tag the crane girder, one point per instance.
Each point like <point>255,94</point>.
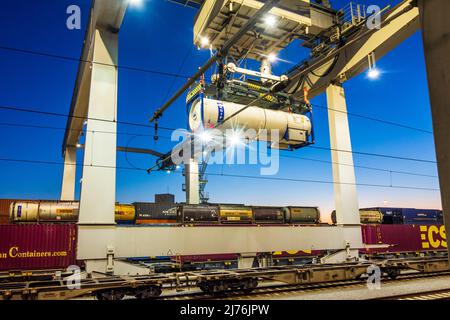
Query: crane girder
<point>352,60</point>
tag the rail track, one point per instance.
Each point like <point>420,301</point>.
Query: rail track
<point>443,294</point>
<point>277,290</point>
<point>220,282</point>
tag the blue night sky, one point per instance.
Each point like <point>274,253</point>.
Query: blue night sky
<point>158,36</point>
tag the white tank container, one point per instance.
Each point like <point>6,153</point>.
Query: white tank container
<point>58,211</point>
<point>43,211</point>
<point>24,211</point>
<point>293,128</point>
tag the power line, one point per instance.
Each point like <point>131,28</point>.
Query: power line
<point>67,58</point>
<point>49,113</point>
<point>178,75</point>
<point>11,108</point>
<point>226,175</point>
<point>8,124</point>
<point>361,167</point>
<point>169,138</point>
<point>375,119</point>
<point>373,154</point>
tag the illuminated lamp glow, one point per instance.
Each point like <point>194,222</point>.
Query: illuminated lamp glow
<point>270,20</point>
<point>373,74</point>
<point>136,3</point>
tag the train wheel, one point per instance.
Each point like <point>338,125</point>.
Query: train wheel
<point>110,295</point>
<point>149,292</point>
<point>249,285</point>
<point>213,287</point>
<point>392,273</point>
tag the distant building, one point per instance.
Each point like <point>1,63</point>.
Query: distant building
<point>165,198</point>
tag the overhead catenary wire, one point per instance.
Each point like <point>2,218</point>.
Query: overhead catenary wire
<point>73,59</point>
<point>225,175</point>
<point>281,155</point>
<point>51,113</point>
<point>361,167</point>
<point>392,123</point>
<point>12,108</point>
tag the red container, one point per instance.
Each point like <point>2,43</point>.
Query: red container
<point>4,210</point>
<point>37,246</point>
<point>402,238</point>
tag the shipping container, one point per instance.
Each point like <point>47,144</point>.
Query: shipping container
<point>155,221</point>
<point>268,215</point>
<point>422,216</point>
<point>404,238</point>
<point>390,215</point>
<point>195,213</point>
<point>301,214</point>
<point>37,246</point>
<point>150,211</point>
<point>4,210</point>
<point>366,216</point>
<point>124,213</point>
<point>235,214</point>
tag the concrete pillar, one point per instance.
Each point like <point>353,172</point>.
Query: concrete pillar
<point>69,174</point>
<point>346,199</point>
<point>434,17</point>
<point>98,186</point>
<point>192,182</point>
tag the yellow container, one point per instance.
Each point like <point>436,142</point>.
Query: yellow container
<point>125,212</point>
<point>235,214</point>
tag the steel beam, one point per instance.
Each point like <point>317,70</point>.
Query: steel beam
<point>352,59</point>
<point>144,241</point>
<point>434,17</point>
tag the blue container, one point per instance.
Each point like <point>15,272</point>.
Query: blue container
<point>422,216</point>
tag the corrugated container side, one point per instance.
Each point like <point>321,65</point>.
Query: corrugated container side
<point>4,210</point>
<point>404,237</point>
<point>37,246</point>
<point>148,210</point>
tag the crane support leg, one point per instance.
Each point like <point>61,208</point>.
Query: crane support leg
<point>69,174</point>
<point>99,174</point>
<point>192,182</point>
<point>346,199</point>
<point>436,39</point>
